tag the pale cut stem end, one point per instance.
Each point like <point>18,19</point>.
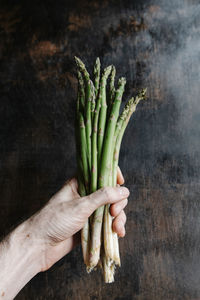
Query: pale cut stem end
<point>108,270</point>
<point>95,244</point>
<point>116,255</point>
<point>111,246</point>
<point>85,242</point>
<point>108,239</point>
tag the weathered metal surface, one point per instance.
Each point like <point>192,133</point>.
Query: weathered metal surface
<point>155,44</point>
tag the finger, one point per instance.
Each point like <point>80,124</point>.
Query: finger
<point>68,191</point>
<point>105,195</point>
<point>71,184</point>
<point>116,208</point>
<point>120,177</point>
<point>118,224</point>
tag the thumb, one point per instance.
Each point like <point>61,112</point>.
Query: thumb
<point>107,195</point>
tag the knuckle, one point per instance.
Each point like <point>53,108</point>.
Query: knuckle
<point>89,201</point>
<point>108,192</point>
<point>87,204</point>
<point>84,201</point>
<point>73,184</point>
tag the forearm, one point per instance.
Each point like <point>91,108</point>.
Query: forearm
<point>18,261</point>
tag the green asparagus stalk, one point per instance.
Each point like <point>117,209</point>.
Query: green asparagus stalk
<point>88,99</point>
<point>85,232</point>
<point>94,171</point>
<point>110,130</point>
<point>97,68</point>
<point>112,84</point>
<point>111,245</point>
<point>99,132</point>
<point>104,174</point>
<point>111,90</point>
<point>121,126</point>
<point>103,110</point>
<point>93,103</point>
<point>83,147</point>
<point>81,92</point>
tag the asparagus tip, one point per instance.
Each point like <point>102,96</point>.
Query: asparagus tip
<point>142,94</point>
<point>113,70</point>
<point>122,81</point>
<point>98,61</point>
<point>79,62</point>
<point>97,66</point>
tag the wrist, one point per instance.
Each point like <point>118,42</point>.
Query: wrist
<point>19,260</point>
<point>29,248</point>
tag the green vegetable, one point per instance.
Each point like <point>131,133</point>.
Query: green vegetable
<point>99,132</point>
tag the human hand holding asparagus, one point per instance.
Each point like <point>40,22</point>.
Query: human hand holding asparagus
<point>39,242</point>
<point>55,228</point>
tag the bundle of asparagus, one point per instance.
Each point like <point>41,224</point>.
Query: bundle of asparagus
<point>99,132</point>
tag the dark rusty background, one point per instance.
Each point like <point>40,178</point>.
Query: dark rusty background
<point>155,44</point>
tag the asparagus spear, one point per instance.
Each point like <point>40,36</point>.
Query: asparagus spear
<point>93,103</point>
<point>81,93</point>
<point>85,232</point>
<point>111,90</point>
<point>103,110</point>
<point>83,147</point>
<point>94,171</point>
<point>110,238</point>
<point>112,84</point>
<point>111,247</point>
<point>121,126</point>
<point>88,99</point>
<point>97,68</point>
<point>104,174</point>
<point>108,141</point>
<point>104,165</point>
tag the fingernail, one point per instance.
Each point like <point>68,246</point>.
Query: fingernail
<point>123,191</point>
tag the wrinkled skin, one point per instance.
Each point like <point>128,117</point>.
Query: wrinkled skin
<point>56,227</point>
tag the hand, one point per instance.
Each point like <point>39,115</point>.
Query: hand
<point>55,226</point>
<point>36,244</point>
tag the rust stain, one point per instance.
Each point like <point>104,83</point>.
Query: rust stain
<point>135,25</point>
<point>98,4</point>
<point>41,54</point>
<point>52,73</point>
<point>126,27</point>
<point>72,79</point>
<point>42,49</point>
<point>46,74</point>
<point>77,22</point>
<point>154,9</point>
<point>9,19</point>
